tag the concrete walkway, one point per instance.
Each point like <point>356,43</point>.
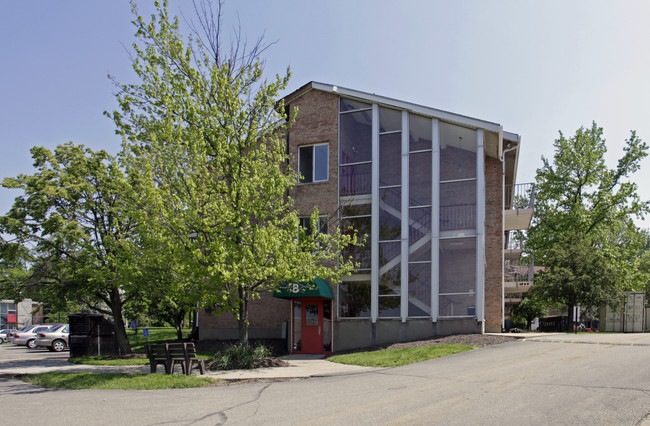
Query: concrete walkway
<point>300,366</point>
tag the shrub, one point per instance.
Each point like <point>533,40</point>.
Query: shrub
<point>239,356</point>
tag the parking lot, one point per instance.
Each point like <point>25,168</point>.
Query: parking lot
<point>9,351</point>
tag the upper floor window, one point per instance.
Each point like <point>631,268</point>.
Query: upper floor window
<point>305,223</point>
<point>313,163</point>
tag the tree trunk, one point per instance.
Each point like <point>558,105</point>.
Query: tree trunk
<point>243,317</point>
<point>179,329</point>
<point>570,318</point>
<point>194,333</point>
<point>120,331</point>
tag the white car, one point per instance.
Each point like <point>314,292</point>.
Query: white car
<point>4,334</point>
<point>54,338</point>
<point>28,338</point>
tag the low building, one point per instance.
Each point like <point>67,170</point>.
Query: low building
<point>434,192</point>
<point>18,315</point>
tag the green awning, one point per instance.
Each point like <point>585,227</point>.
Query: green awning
<point>315,288</point>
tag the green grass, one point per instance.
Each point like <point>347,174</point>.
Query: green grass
<point>398,357</point>
<point>156,335</point>
<point>117,381</point>
<point>96,360</point>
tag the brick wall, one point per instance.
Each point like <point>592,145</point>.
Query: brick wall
<point>316,122</point>
<point>267,312</point>
<point>493,244</point>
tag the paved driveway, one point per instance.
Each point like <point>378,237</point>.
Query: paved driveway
<point>597,382</point>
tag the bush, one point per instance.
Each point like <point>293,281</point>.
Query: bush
<point>239,356</point>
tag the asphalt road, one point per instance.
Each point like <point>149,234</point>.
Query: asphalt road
<point>518,383</point>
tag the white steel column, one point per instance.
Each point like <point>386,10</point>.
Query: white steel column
<point>374,222</point>
<point>404,293</point>
<point>480,226</point>
<point>435,219</point>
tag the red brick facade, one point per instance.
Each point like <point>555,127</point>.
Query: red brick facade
<point>317,123</point>
<point>493,245</point>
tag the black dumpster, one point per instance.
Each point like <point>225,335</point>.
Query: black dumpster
<point>91,335</point>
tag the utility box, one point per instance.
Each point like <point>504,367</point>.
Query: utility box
<point>629,319</point>
<point>91,335</point>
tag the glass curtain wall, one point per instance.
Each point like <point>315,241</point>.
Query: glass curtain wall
<point>390,214</point>
<point>458,183</point>
<point>355,159</point>
<point>457,198</point>
<point>419,256</point>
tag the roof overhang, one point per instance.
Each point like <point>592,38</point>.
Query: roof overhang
<point>495,136</point>
<point>315,288</point>
<point>509,152</point>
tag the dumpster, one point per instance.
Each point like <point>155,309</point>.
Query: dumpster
<point>91,335</point>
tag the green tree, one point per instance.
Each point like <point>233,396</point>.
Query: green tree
<point>204,128</point>
<point>532,306</point>
<point>76,222</point>
<point>583,232</point>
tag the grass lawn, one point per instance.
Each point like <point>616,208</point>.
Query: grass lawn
<point>137,341</point>
<point>97,360</point>
<point>156,335</point>
<point>117,381</point>
<point>398,357</point>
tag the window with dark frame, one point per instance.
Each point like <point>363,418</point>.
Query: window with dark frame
<point>322,224</point>
<point>313,163</point>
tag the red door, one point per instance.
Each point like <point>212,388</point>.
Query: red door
<point>312,326</point>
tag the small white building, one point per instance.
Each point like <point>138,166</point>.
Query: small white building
<point>17,315</point>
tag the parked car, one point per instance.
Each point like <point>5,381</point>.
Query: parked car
<point>54,338</point>
<point>28,338</point>
<point>4,334</point>
<point>10,337</point>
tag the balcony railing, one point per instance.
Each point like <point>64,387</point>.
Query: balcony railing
<point>514,241</point>
<point>520,196</point>
<point>514,272</point>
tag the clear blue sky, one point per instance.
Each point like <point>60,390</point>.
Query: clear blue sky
<point>534,67</point>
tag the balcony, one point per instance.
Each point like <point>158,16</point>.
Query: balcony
<point>519,202</point>
<point>513,245</point>
<point>517,278</point>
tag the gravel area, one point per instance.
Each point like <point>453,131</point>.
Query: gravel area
<point>456,339</point>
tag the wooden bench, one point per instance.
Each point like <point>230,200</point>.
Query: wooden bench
<point>170,354</point>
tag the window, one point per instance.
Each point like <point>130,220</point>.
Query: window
<point>7,314</point>
<point>313,163</point>
<point>322,224</point>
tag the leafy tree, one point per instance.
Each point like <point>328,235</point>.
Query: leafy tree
<point>583,232</point>
<point>76,222</point>
<point>532,306</point>
<point>205,130</point>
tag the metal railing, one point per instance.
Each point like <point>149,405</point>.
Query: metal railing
<point>520,196</point>
<point>514,241</point>
<point>514,272</point>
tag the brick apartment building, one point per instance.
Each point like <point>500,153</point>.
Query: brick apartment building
<point>435,194</point>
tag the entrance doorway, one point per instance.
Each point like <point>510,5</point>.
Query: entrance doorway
<point>312,325</point>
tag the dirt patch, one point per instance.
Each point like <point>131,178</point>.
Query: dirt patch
<point>127,356</point>
<point>479,340</point>
<point>458,339</point>
<point>270,362</point>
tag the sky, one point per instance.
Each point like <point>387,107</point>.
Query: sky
<point>537,68</point>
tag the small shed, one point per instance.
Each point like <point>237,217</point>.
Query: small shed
<point>91,335</point>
